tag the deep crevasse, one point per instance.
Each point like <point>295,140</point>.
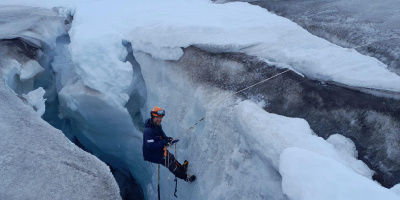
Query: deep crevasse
<point>236,142</point>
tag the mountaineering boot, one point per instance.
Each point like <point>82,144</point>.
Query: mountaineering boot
<point>185,166</point>
<point>190,178</point>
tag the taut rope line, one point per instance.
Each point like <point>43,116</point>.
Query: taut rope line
<point>202,118</point>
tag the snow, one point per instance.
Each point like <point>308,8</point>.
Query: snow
<point>30,69</point>
<point>348,152</point>
<point>250,30</point>
<point>9,72</point>
<point>370,27</point>
<point>35,99</point>
<point>15,73</point>
<point>34,25</point>
<point>239,151</point>
<point>296,132</point>
<point>396,189</point>
<point>309,175</point>
<point>158,28</point>
<point>238,144</point>
<point>39,162</point>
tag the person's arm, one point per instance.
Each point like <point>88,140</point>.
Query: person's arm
<point>169,139</point>
<point>163,134</point>
<point>152,142</point>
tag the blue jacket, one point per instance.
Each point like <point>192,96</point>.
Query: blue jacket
<point>154,139</point>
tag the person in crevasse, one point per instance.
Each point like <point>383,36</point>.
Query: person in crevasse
<point>154,146</point>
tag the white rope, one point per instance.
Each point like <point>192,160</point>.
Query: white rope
<point>191,127</point>
<point>262,81</point>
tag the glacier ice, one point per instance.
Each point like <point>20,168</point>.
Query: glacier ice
<point>238,139</point>
<point>37,161</point>
<point>36,26</point>
<point>35,99</point>
<point>370,27</point>
<point>101,91</point>
<point>298,166</point>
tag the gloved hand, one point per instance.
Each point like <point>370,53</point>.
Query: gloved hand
<point>174,141</point>
<point>169,139</point>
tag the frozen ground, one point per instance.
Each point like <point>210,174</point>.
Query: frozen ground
<point>236,152</point>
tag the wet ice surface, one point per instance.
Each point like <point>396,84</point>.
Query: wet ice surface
<point>371,27</point>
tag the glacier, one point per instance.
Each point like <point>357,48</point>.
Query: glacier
<point>109,62</point>
<point>369,27</point>
<point>37,160</point>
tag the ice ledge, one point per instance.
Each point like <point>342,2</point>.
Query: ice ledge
<point>39,162</point>
<point>36,26</point>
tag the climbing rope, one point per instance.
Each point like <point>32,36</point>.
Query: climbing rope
<point>223,99</point>
<point>261,82</point>
<point>191,127</point>
<point>202,118</point>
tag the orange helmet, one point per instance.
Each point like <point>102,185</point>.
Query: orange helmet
<point>157,112</point>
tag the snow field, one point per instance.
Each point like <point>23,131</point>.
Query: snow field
<point>308,175</point>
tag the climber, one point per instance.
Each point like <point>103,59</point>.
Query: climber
<point>155,144</point>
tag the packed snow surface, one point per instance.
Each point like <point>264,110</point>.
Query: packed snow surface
<point>308,175</point>
<point>38,162</point>
<point>236,151</point>
<point>35,99</point>
<point>34,25</point>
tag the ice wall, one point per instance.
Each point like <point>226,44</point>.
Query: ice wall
<point>38,161</point>
<point>371,122</point>
<point>236,150</point>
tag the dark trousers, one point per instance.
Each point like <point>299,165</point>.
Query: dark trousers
<point>174,166</point>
